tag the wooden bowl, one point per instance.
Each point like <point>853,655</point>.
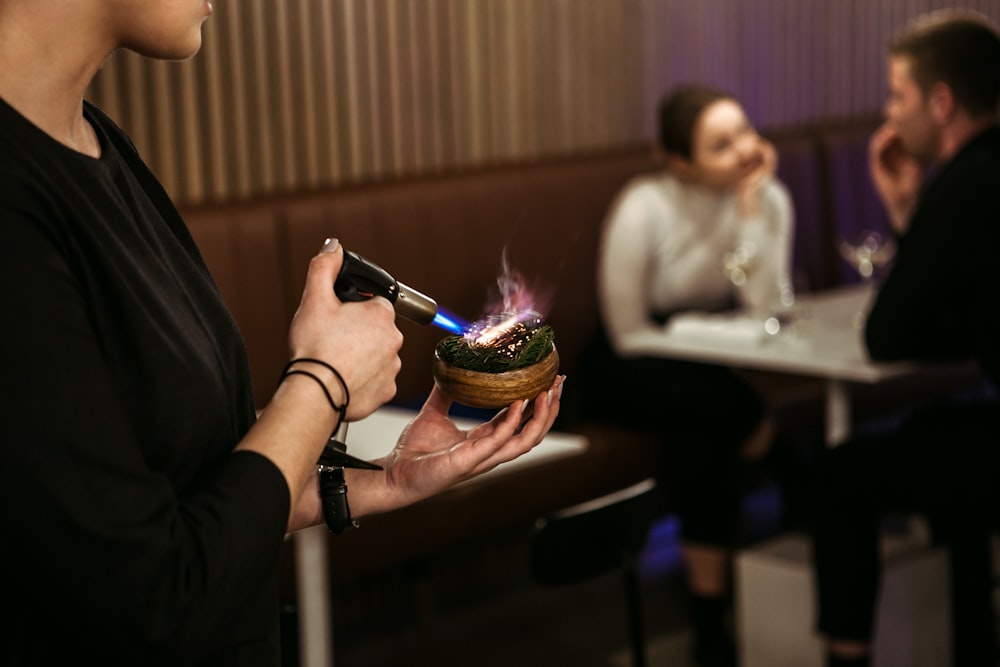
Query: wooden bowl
<point>479,389</point>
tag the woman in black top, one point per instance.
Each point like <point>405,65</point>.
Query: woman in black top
<point>143,505</point>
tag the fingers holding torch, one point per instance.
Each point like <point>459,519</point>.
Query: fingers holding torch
<point>359,338</point>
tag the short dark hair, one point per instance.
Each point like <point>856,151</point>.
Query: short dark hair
<point>679,112</point>
<point>959,48</point>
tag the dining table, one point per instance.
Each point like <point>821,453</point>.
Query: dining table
<point>820,336</point>
<point>370,439</point>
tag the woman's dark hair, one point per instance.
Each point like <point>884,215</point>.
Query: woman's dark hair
<point>679,112</point>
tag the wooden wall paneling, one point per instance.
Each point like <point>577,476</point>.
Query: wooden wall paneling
<point>312,94</point>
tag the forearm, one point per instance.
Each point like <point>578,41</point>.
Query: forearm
<point>367,493</point>
<point>292,431</point>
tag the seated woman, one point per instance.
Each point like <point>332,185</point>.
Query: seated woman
<point>663,252</point>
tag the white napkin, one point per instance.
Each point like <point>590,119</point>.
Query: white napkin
<point>714,328</point>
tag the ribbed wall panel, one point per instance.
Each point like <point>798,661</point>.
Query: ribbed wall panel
<point>293,94</point>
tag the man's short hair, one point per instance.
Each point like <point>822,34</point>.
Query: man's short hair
<point>959,48</point>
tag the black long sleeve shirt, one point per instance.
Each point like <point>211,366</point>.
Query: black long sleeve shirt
<point>132,533</point>
<point>941,300</point>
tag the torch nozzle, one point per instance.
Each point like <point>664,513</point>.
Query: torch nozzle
<point>414,305</point>
<point>360,279</point>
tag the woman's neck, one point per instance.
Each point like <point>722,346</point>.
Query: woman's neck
<point>44,77</point>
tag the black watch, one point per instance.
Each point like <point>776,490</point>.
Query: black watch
<point>333,493</point>
<point>333,488</point>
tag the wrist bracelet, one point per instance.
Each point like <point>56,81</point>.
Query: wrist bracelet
<point>341,410</point>
<point>333,493</point>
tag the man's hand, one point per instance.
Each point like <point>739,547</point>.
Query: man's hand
<point>896,174</point>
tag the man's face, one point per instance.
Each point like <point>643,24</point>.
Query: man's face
<point>907,112</point>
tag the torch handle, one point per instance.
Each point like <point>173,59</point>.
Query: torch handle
<point>360,279</point>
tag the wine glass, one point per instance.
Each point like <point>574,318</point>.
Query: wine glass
<point>739,262</point>
<point>868,253</point>
<point>759,301</point>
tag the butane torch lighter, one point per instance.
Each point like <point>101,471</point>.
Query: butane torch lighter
<point>360,279</point>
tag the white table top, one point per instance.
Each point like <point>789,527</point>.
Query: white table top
<point>376,435</point>
<point>824,339</point>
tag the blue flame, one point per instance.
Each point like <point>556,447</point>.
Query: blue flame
<point>450,323</point>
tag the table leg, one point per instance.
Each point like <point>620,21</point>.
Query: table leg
<point>838,412</point>
<point>313,592</point>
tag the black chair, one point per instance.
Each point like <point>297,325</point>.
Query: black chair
<point>593,538</point>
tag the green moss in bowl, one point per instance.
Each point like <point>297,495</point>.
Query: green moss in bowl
<point>520,363</point>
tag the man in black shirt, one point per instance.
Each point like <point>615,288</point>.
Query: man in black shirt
<point>936,165</point>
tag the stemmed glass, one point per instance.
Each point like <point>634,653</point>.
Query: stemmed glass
<point>868,253</point>
<point>773,309</point>
<point>739,262</point>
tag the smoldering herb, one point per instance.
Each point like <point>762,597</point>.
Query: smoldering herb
<point>519,346</point>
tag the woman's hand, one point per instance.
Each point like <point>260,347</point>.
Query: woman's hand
<point>362,342</point>
<point>896,174</point>
<point>433,454</point>
<point>359,339</point>
<point>764,164</point>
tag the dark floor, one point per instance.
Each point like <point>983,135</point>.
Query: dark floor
<point>528,624</point>
<point>437,619</point>
<point>480,607</point>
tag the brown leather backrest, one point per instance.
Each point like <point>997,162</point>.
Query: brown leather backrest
<point>445,236</point>
<point>854,204</point>
<point>825,167</point>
